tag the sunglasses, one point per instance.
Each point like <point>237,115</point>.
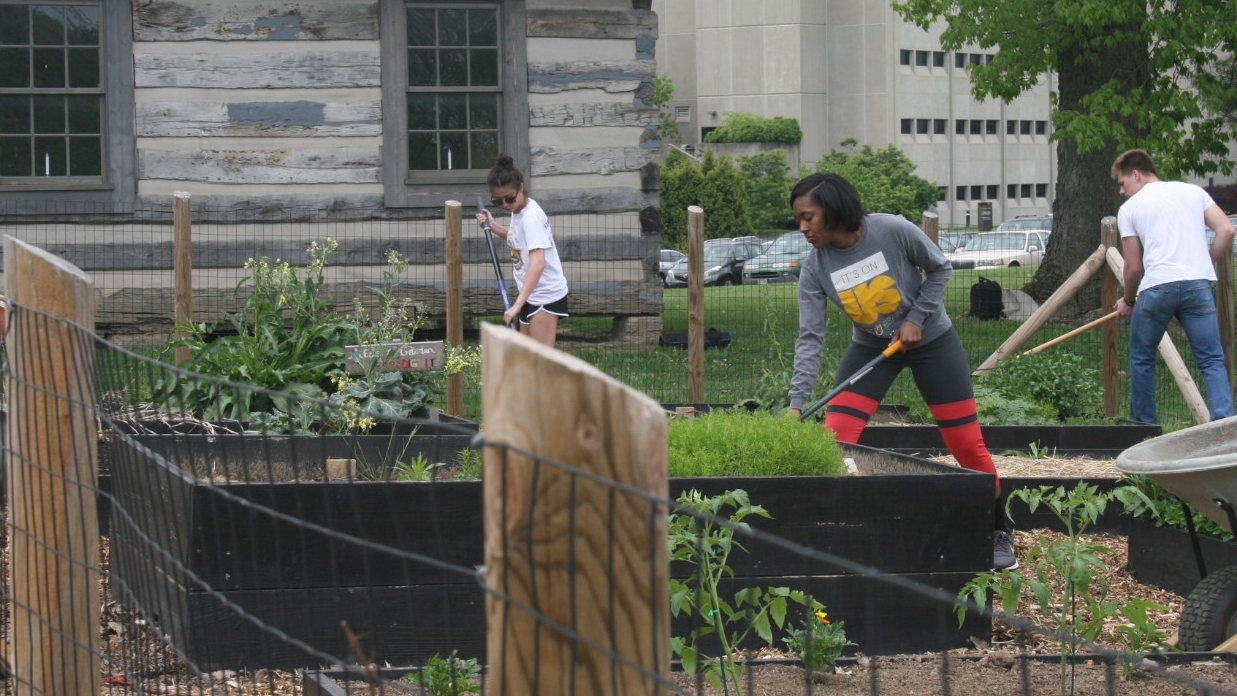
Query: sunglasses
<point>505,200</point>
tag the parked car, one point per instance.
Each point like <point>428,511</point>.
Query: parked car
<point>723,262</point>
<point>1026,222</point>
<point>988,249</point>
<point>666,261</point>
<point>781,261</point>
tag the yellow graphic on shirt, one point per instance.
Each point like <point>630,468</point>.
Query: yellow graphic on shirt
<point>865,303</point>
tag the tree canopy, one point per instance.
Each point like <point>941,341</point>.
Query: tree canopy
<point>885,179</point>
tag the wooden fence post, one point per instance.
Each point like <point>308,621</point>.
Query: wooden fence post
<point>695,304</point>
<point>54,535</point>
<point>588,556</point>
<point>931,226</point>
<point>1110,368</point>
<point>453,221</point>
<point>1224,308</point>
<point>182,269</point>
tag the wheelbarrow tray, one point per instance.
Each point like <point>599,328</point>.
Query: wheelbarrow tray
<point>1198,465</point>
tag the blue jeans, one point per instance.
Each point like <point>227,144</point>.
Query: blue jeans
<point>1194,306</point>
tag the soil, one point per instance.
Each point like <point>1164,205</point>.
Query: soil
<point>979,670</point>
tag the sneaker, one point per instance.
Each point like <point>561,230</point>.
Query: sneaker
<point>1003,557</point>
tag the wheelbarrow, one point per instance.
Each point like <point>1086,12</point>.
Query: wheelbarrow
<point>1198,465</point>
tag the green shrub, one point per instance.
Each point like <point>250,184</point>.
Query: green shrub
<point>681,185</point>
<point>1060,380</point>
<point>749,128</point>
<point>884,178</point>
<point>723,198</point>
<point>995,408</point>
<point>767,181</point>
<point>738,443</point>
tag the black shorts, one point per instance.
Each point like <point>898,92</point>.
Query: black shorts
<point>557,308</point>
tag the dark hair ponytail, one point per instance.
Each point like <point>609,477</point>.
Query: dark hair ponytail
<point>504,173</point>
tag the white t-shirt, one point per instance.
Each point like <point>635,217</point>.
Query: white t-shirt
<point>530,229</point>
<point>1167,216</point>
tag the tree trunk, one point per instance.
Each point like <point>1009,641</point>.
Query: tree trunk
<point>1086,192</point>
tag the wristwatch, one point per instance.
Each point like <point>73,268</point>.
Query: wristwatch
<point>1129,303</point>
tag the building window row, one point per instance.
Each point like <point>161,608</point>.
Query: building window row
<point>936,59</point>
<point>990,192</point>
<point>974,126</point>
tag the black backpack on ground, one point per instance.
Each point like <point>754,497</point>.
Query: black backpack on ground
<point>986,300</point>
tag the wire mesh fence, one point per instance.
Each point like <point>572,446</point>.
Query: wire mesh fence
<point>154,551</point>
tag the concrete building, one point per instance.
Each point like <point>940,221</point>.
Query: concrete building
<point>854,69</point>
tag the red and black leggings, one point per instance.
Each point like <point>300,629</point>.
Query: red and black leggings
<point>943,377</point>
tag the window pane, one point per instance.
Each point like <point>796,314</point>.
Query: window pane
<point>422,68</point>
<point>483,67</point>
<point>484,149</point>
<point>482,28</point>
<point>422,112</point>
<point>16,72</point>
<point>993,189</point>
<point>14,26</point>
<point>14,114</point>
<point>421,31</point>
<point>83,67</point>
<point>960,194</point>
<point>422,151</point>
<point>906,126</point>
<point>904,57</point>
<point>453,65</point>
<point>49,157</point>
<point>977,193</point>
<point>453,111</point>
<point>84,114</point>
<point>49,116</point>
<point>1011,191</point>
<point>483,111</point>
<point>452,27</point>
<point>83,25</point>
<point>454,150</point>
<point>85,156</point>
<point>15,157</point>
<point>48,67</point>
<point>48,26</point>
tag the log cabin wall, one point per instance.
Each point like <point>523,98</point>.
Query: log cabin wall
<point>271,118</point>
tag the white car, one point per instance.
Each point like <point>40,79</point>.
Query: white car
<point>1001,249</point>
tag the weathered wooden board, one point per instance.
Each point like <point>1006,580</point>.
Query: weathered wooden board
<point>284,165</point>
<point>549,77</point>
<point>566,22</point>
<point>549,161</point>
<point>585,114</point>
<point>273,70</point>
<point>224,20</point>
<point>259,119</point>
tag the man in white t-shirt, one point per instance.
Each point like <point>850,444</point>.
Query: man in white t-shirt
<point>1169,271</point>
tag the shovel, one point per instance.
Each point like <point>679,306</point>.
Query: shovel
<point>885,354</point>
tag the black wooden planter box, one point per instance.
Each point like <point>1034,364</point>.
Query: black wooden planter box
<point>227,564</point>
<point>1164,556</point>
<point>1089,440</point>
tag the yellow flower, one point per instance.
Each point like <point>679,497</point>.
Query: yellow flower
<point>824,617</point>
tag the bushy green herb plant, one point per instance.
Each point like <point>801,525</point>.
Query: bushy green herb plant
<point>994,407</point>
<point>469,463</point>
<point>1145,499</point>
<point>818,641</point>
<point>738,443</point>
<point>1060,380</point>
<point>418,468</point>
<point>1082,613</point>
<point>702,535</point>
<point>448,676</point>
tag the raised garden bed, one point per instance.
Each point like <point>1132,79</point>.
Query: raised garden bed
<point>1164,556</point>
<point>224,556</point>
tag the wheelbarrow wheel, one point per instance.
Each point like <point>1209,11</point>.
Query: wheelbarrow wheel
<point>1210,614</point>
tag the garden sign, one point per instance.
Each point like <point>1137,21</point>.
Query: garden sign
<point>395,357</point>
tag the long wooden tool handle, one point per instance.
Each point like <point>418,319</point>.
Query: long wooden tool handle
<point>1067,336</point>
<point>885,355</point>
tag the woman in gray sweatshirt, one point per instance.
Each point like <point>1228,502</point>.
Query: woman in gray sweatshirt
<point>889,279</point>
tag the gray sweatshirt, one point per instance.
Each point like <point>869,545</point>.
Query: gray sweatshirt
<point>892,274</point>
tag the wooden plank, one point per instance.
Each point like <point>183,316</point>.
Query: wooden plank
<point>584,23</point>
<point>182,272</point>
<point>52,460</point>
<point>1110,367</point>
<point>259,119</point>
<point>316,165</point>
<point>586,114</point>
<point>551,77</point>
<point>551,536</point>
<point>695,303</point>
<point>275,70</point>
<point>225,20</point>
<point>549,161</point>
<point>454,230</point>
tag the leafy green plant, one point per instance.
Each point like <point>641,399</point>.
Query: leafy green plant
<point>1061,380</point>
<point>419,468</point>
<point>738,127</point>
<point>734,442</point>
<point>767,182</point>
<point>287,338</point>
<point>469,463</point>
<point>884,178</point>
<point>818,641</point>
<point>703,538</point>
<point>1145,499</point>
<point>1082,613</point>
<point>448,676</point>
<point>994,407</point>
<point>667,125</point>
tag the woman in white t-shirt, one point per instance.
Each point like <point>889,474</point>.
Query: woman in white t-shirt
<point>538,270</point>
